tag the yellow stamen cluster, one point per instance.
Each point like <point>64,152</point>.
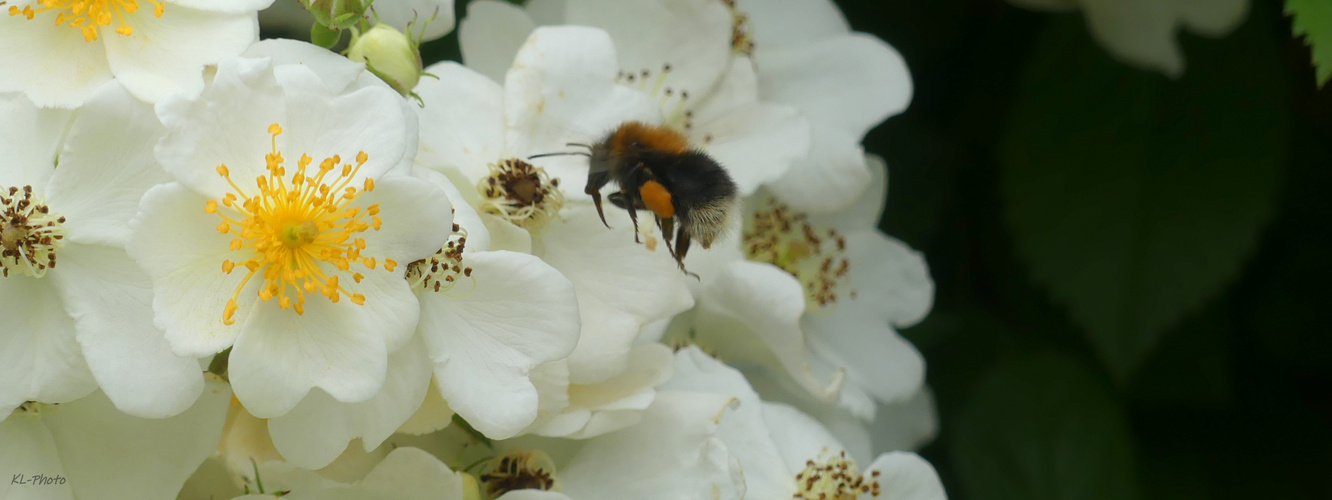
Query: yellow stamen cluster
<point>441,271</point>
<point>521,193</point>
<point>742,41</point>
<point>298,233</point>
<point>786,239</point>
<point>30,233</point>
<point>529,470</point>
<point>834,478</point>
<point>89,15</point>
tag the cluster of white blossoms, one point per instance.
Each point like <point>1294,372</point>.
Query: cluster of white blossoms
<point>242,268</point>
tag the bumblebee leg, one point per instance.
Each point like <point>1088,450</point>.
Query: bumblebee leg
<point>667,227</point>
<point>624,200</point>
<point>596,200</point>
<point>593,188</point>
<point>618,199</point>
<point>633,216</point>
<point>682,247</point>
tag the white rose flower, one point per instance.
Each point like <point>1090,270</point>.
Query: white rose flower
<point>1142,33</point>
<point>488,319</point>
<point>289,228</point>
<point>822,302</point>
<point>79,310</point>
<point>683,53</point>
<point>561,89</point>
<point>845,83</point>
<point>63,451</point>
<point>62,50</point>
<point>787,454</point>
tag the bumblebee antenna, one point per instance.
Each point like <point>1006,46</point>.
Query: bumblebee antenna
<point>569,153</point>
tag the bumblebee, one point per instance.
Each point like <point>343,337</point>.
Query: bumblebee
<point>687,191</point>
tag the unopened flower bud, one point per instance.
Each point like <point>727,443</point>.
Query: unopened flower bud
<point>389,54</point>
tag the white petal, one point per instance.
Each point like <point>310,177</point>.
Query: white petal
<point>1137,32</point>
<point>281,355</point>
<point>167,55</point>
<point>864,212</point>
<point>906,476</point>
<point>617,403</point>
<point>621,287</point>
<point>317,122</point>
<point>201,136</point>
<point>504,235</point>
<point>434,414</point>
<point>464,215</point>
<point>692,36</point>
<point>417,220</point>
<point>889,277</point>
<point>778,23</point>
<point>522,313</point>
<point>752,300</point>
<point>337,72</point>
<point>245,442</point>
<point>211,480</point>
<point>686,461</point>
<point>845,426</point>
<point>30,450</point>
<point>562,89</point>
<point>848,83</point>
<point>757,143</point>
<point>874,356</point>
<point>397,13</point>
<point>153,456</point>
<point>52,65</point>
<point>178,245</point>
<point>39,358</point>
<point>110,299</point>
<point>490,36</point>
<point>831,177</point>
<point>743,430</point>
<point>798,436</point>
<point>552,384</point>
<point>314,433</point>
<point>547,12</point>
<point>462,123</point>
<point>231,6</point>
<point>106,167</point>
<point>907,425</point>
<point>30,138</point>
<point>1211,17</point>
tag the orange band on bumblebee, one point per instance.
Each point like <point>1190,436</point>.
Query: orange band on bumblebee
<point>657,199</point>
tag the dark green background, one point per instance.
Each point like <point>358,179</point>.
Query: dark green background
<point>1132,271</point>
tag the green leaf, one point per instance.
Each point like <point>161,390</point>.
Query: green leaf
<point>1042,427</point>
<point>1133,198</point>
<point>1313,21</point>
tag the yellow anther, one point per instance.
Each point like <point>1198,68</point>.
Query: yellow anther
<point>292,230</point>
